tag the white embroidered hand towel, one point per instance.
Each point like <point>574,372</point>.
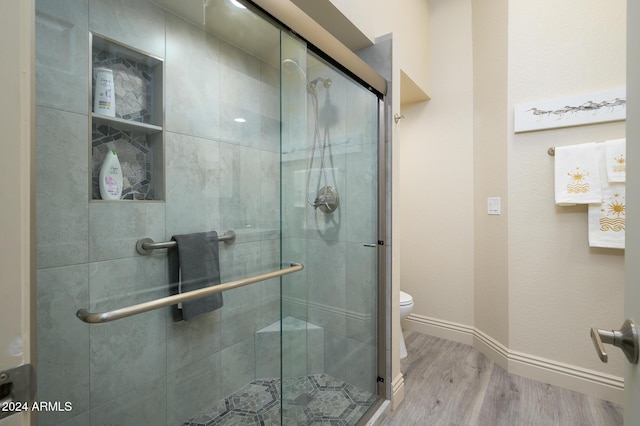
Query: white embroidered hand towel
<point>616,160</point>
<point>607,219</point>
<point>577,175</point>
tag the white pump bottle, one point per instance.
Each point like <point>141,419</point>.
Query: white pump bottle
<point>111,177</point>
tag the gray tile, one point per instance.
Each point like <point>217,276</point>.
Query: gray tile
<point>240,98</point>
<point>295,287</point>
<point>62,188</point>
<point>193,180</point>
<point>192,80</point>
<point>82,419</point>
<point>237,365</point>
<point>240,186</point>
<point>241,260</point>
<point>315,354</point>
<point>240,89</point>
<point>335,351</point>
<point>122,282</point>
<point>270,107</point>
<point>144,405</point>
<point>130,351</point>
<point>193,388</point>
<point>360,194</point>
<point>295,346</point>
<point>116,227</point>
<point>267,346</point>
<point>294,201</point>
<point>361,365</point>
<point>240,315</point>
<point>63,340</point>
<point>191,341</point>
<point>361,293</point>
<point>62,54</point>
<point>136,23</point>
<point>236,59</point>
<point>327,286</point>
<point>125,354</point>
<point>362,116</point>
<point>270,306</point>
<point>269,190</point>
<point>301,344</point>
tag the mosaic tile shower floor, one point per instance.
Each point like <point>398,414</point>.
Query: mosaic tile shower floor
<point>310,400</point>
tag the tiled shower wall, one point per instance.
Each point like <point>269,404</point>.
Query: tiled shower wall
<point>219,175</point>
<point>337,289</point>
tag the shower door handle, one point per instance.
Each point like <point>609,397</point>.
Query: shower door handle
<point>626,339</point>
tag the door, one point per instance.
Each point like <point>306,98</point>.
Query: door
<point>632,251</point>
<point>329,222</point>
<point>16,120</point>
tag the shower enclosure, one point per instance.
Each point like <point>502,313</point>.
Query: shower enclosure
<point>225,121</point>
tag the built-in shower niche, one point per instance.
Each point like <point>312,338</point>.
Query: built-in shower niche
<point>136,132</point>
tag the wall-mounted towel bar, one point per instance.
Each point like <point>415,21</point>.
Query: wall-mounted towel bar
<point>100,317</point>
<point>147,245</point>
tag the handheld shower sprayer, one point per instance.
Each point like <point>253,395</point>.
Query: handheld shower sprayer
<point>327,199</point>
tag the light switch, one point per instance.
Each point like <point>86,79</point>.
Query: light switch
<point>493,205</point>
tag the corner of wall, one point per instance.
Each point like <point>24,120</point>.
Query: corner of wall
<point>593,383</point>
<point>397,396</point>
<point>490,93</point>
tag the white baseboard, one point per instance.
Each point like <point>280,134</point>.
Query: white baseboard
<point>397,389</point>
<point>444,329</point>
<point>494,350</point>
<point>593,383</point>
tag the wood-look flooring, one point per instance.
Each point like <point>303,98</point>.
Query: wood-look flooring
<point>449,383</point>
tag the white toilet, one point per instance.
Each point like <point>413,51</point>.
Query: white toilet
<point>406,306</point>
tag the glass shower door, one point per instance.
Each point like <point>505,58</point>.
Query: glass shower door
<point>329,222</point>
<point>196,129</point>
<point>223,122</point>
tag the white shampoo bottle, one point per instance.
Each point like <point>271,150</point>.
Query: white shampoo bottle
<point>111,177</point>
<point>104,97</point>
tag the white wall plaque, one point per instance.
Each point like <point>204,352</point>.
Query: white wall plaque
<point>591,108</point>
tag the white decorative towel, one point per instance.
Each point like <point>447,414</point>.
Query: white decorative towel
<point>616,156</point>
<point>577,175</point>
<point>607,219</point>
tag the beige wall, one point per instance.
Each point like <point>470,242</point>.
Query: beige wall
<point>558,286</point>
<point>536,286</point>
<point>436,175</point>
<point>17,123</point>
<point>490,167</point>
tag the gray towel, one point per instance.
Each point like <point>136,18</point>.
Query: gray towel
<point>194,264</point>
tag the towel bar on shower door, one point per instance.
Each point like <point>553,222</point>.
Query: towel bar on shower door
<point>100,317</point>
<point>147,245</point>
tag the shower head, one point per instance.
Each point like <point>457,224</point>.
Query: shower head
<point>326,82</point>
<point>291,65</point>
